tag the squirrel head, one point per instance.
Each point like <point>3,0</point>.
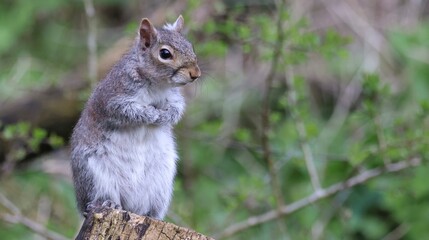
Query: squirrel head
<point>165,55</point>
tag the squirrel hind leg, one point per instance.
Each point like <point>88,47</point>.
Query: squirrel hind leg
<point>157,213</point>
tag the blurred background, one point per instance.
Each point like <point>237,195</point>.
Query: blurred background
<point>310,120</point>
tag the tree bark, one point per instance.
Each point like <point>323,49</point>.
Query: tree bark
<point>108,223</point>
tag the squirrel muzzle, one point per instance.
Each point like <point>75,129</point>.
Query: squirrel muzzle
<point>194,72</point>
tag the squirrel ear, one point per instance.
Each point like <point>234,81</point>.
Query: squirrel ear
<point>178,24</point>
<point>147,33</point>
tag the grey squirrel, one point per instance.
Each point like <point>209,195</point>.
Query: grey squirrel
<point>122,148</point>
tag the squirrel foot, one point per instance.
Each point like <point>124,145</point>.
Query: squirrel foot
<point>91,206</point>
<point>111,204</point>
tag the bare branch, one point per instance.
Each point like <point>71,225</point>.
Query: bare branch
<point>91,41</point>
<point>397,233</point>
<point>319,226</point>
<point>17,218</point>
<point>342,107</point>
<point>265,123</point>
<point>318,195</point>
<point>343,11</point>
<point>359,25</point>
<point>9,205</point>
<point>381,141</point>
<point>302,133</point>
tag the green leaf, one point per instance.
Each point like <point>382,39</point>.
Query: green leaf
<point>243,135</point>
<point>55,141</point>
<point>8,132</point>
<point>34,144</point>
<point>312,129</point>
<point>419,182</point>
<point>23,129</point>
<point>275,117</point>
<point>357,154</point>
<point>243,31</point>
<point>39,134</point>
<point>19,154</point>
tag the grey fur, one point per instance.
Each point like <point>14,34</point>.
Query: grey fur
<point>122,148</point>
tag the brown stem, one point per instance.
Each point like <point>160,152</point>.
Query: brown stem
<point>265,123</point>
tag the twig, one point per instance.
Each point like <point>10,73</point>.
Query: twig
<point>20,68</point>
<point>302,133</point>
<point>381,141</point>
<point>91,41</point>
<point>345,101</point>
<point>397,233</point>
<point>267,156</point>
<point>357,23</point>
<point>316,196</point>
<point>17,217</point>
<point>9,205</point>
<point>343,11</point>
<point>318,228</point>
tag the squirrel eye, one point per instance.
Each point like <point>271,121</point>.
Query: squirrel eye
<point>165,54</point>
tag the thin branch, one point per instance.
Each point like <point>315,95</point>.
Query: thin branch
<point>302,133</point>
<point>381,141</point>
<point>265,123</point>
<point>9,205</point>
<point>342,107</point>
<point>319,195</point>
<point>397,233</point>
<point>319,227</point>
<point>358,24</point>
<point>91,41</point>
<point>17,218</point>
<point>17,73</point>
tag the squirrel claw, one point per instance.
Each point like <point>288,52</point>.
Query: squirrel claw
<point>111,204</point>
<point>90,207</point>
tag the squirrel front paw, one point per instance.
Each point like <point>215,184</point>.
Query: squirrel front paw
<point>151,114</point>
<point>163,118</point>
<point>168,115</point>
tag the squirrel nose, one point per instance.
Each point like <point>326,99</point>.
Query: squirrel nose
<point>192,77</point>
<point>195,73</point>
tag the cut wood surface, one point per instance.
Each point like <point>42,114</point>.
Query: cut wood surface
<point>108,223</point>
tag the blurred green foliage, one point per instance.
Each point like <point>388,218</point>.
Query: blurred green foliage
<point>222,176</point>
<point>411,48</point>
<point>25,140</point>
<point>47,199</point>
<point>38,43</point>
<point>380,130</point>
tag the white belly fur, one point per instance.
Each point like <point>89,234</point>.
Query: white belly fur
<point>136,168</point>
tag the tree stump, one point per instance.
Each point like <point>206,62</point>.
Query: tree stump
<point>108,223</point>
